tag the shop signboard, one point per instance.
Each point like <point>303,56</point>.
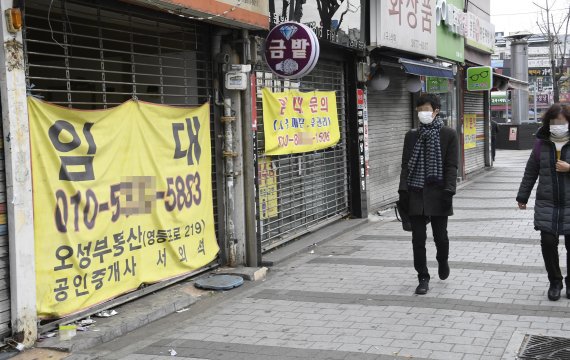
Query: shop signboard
<point>253,14</point>
<point>479,78</point>
<point>451,24</point>
<point>480,33</point>
<point>436,85</point>
<point>404,25</point>
<point>291,50</point>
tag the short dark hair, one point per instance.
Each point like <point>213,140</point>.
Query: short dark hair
<point>431,99</point>
<point>553,112</point>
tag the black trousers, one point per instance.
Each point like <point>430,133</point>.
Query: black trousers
<point>493,146</point>
<point>549,243</point>
<point>419,237</point>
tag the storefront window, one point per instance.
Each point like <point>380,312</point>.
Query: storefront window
<point>445,89</point>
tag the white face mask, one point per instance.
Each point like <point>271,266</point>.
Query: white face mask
<point>559,130</point>
<point>425,117</point>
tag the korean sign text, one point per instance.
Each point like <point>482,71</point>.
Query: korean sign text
<point>122,197</point>
<point>297,122</point>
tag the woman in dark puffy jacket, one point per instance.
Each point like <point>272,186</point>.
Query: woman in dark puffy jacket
<point>549,163</point>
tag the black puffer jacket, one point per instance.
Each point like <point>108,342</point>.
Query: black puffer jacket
<point>429,202</point>
<point>552,205</point>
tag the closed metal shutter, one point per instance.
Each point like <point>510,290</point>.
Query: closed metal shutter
<point>389,118</point>
<point>5,315</point>
<point>95,55</point>
<point>312,188</point>
<point>475,158</point>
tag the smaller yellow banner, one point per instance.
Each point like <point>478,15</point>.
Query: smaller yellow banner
<point>267,188</point>
<point>297,122</point>
<point>470,131</point>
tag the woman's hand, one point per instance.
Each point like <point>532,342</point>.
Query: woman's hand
<point>562,166</point>
<point>522,206</point>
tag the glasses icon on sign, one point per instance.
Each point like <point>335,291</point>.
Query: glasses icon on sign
<point>482,75</point>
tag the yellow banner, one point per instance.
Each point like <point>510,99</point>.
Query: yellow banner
<point>297,122</point>
<point>122,197</point>
<point>470,131</point>
<point>268,206</point>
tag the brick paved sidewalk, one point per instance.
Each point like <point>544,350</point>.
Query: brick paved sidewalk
<point>353,298</point>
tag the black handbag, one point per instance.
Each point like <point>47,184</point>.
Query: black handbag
<point>403,217</point>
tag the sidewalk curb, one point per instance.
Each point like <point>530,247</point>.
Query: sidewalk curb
<point>131,316</point>
<point>318,237</point>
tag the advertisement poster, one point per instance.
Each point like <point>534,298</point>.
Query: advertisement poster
<point>268,206</point>
<point>297,122</point>
<point>122,197</point>
<point>470,131</point>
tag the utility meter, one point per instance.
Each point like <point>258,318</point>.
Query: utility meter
<point>236,80</point>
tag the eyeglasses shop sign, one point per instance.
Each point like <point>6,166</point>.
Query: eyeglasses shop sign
<point>291,50</point>
<point>404,25</point>
<point>479,78</point>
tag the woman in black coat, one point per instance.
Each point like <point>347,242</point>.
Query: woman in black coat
<point>548,163</point>
<point>427,185</point>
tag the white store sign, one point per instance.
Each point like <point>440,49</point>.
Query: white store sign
<point>480,33</point>
<point>454,18</point>
<point>404,25</point>
<point>539,63</point>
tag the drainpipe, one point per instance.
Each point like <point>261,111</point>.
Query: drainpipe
<point>253,255</point>
<point>221,58</point>
<point>229,155</point>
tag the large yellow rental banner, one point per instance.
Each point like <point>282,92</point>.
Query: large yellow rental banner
<point>122,197</point>
<point>297,122</point>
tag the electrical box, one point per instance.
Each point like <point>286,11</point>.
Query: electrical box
<point>236,80</point>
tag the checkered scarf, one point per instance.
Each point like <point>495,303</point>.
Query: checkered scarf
<point>426,165</point>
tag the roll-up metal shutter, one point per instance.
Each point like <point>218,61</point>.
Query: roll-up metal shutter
<point>5,314</point>
<point>312,188</point>
<point>99,54</point>
<point>389,118</point>
<point>475,158</point>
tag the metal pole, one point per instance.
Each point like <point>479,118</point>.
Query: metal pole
<point>535,103</point>
<point>253,256</point>
<point>19,201</point>
<point>227,119</point>
<point>507,106</point>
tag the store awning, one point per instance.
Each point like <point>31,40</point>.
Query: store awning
<point>425,69</point>
<point>502,82</point>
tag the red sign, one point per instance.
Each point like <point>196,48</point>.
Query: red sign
<point>253,103</point>
<point>360,96</point>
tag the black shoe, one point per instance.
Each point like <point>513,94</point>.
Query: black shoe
<point>423,287</point>
<point>443,270</point>
<point>554,291</point>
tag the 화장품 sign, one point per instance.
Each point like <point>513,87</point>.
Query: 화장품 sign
<point>291,50</point>
<point>122,197</point>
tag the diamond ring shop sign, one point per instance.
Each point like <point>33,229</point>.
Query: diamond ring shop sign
<point>291,50</point>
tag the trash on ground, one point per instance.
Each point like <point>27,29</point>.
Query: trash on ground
<point>66,332</point>
<point>172,352</point>
<point>86,322</point>
<point>106,313</point>
<point>182,310</point>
